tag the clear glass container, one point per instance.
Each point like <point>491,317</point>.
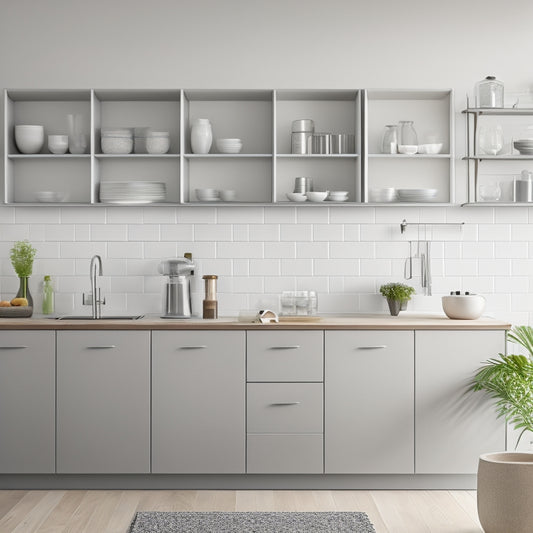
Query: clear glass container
<point>407,134</point>
<point>489,92</point>
<point>389,141</point>
<point>48,296</point>
<point>490,139</point>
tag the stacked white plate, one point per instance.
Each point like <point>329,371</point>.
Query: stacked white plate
<point>229,146</point>
<point>524,146</point>
<point>416,195</point>
<point>132,192</point>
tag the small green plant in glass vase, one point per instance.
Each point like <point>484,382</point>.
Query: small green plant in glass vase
<point>397,295</point>
<point>22,255</point>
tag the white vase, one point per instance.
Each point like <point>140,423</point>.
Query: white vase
<point>201,136</point>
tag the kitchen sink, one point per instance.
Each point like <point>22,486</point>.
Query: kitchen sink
<point>86,317</point>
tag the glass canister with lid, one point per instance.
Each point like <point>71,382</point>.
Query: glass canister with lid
<point>489,92</point>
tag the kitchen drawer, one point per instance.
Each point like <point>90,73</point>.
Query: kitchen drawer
<point>285,454</point>
<point>285,356</point>
<point>284,408</point>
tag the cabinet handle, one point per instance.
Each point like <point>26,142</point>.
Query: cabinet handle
<point>294,347</point>
<point>280,404</point>
<point>198,347</point>
<point>105,347</point>
<point>21,347</point>
<point>376,347</point>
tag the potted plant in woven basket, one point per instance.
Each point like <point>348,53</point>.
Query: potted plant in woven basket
<point>505,479</point>
<point>397,295</point>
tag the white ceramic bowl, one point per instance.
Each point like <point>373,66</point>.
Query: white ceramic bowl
<point>463,307</point>
<point>430,148</point>
<point>387,194</point>
<point>51,196</point>
<point>296,197</point>
<point>228,195</point>
<point>229,146</point>
<point>29,139</point>
<point>58,144</point>
<point>408,149</point>
<point>317,196</point>
<point>207,195</point>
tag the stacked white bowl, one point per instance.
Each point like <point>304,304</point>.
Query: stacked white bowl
<point>387,194</point>
<point>207,195</point>
<point>338,196</point>
<point>29,138</point>
<point>229,146</point>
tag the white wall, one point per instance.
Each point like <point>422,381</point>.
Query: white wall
<point>344,253</point>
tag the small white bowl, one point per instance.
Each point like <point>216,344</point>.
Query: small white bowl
<point>58,144</point>
<point>430,148</point>
<point>29,138</point>
<point>408,149</point>
<point>228,195</point>
<point>207,195</point>
<point>317,196</point>
<point>463,307</point>
<point>296,197</point>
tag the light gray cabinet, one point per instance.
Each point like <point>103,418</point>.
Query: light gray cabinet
<point>103,402</point>
<point>454,427</point>
<point>198,402</point>
<point>369,398</point>
<point>27,402</point>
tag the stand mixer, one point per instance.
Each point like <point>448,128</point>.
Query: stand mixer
<point>177,293</point>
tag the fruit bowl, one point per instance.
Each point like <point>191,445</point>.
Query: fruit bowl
<point>16,311</point>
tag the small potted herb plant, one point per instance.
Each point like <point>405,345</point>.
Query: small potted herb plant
<point>397,295</point>
<point>22,255</point>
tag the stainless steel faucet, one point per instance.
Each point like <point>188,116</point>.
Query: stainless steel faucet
<point>95,271</point>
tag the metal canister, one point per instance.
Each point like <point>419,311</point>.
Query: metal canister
<point>302,129</point>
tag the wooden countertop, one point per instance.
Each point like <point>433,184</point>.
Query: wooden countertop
<point>404,321</point>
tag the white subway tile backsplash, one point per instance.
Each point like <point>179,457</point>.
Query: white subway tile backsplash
<point>159,215</point>
<point>109,232</point>
<point>279,284</point>
<point>243,215</point>
<point>494,267</point>
<point>143,232</point>
<point>297,267</point>
<point>511,215</point>
<point>522,267</point>
<point>265,267</point>
<point>328,232</point>
<point>280,215</point>
<point>238,267</point>
<point>83,215</point>
<point>477,250</point>
<point>521,232</point>
<point>78,250</point>
<point>7,215</point>
<point>127,284</point>
<point>512,284</point>
<point>196,215</point>
<point>296,232</point>
<point>280,249</point>
<point>319,284</point>
<point>350,215</point>
<point>247,284</point>
<point>494,232</point>
<point>127,250</point>
<point>312,250</point>
<point>516,250</point>
<point>14,232</point>
<point>352,250</point>
<point>352,232</point>
<point>149,250</point>
<point>213,232</point>
<point>376,267</point>
<point>461,267</point>
<point>392,250</point>
<point>124,215</point>
<point>176,232</point>
<point>241,233</point>
<point>264,232</point>
<point>336,267</point>
<point>240,249</point>
<point>59,232</point>
<point>379,232</point>
<point>317,215</point>
<point>37,215</point>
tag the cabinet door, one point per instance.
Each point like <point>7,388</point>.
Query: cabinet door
<point>198,397</point>
<point>369,397</point>
<point>454,427</point>
<point>103,402</point>
<point>27,402</point>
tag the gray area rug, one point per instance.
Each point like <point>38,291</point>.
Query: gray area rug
<point>225,522</point>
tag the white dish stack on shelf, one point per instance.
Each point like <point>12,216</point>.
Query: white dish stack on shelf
<point>229,146</point>
<point>132,192</point>
<point>207,195</point>
<point>416,195</point>
<point>387,194</point>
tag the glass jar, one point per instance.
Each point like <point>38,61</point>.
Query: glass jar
<point>389,141</point>
<point>48,296</point>
<point>407,134</point>
<point>489,92</point>
<point>490,139</point>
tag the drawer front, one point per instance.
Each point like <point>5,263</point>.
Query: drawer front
<point>285,454</point>
<point>285,408</point>
<point>285,356</point>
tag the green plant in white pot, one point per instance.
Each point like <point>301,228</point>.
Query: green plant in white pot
<point>505,479</point>
<point>397,295</point>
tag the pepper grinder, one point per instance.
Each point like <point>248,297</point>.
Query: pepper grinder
<point>210,302</point>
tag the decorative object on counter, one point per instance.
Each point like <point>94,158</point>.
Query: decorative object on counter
<point>117,140</point>
<point>58,144</point>
<point>299,303</point>
<point>337,196</point>
<point>22,255</point>
<point>229,146</point>
<point>407,134</point>
<point>490,192</point>
<point>201,136</point>
<point>303,185</point>
<point>317,196</point>
<point>389,140</point>
<point>48,296</point>
<point>397,295</point>
<point>523,187</point>
<point>177,294</point>
<point>490,139</point>
<point>29,138</point>
<point>158,142</point>
<point>210,303</point>
<point>302,130</point>
<point>265,316</point>
<point>132,192</point>
<point>489,92</point>
<point>505,479</point>
<point>463,306</point>
<point>77,140</point>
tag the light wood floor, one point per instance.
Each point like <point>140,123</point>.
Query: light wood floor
<point>79,511</point>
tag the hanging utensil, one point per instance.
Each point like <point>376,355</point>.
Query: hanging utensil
<point>408,266</point>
